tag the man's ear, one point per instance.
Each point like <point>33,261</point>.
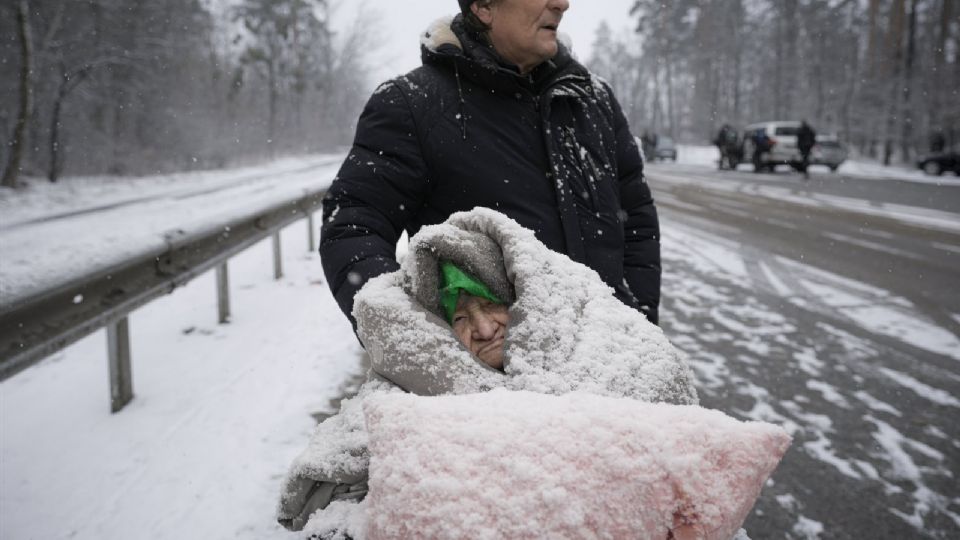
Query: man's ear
<point>483,11</point>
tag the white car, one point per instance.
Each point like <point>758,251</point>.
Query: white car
<point>828,151</point>
<point>782,145</point>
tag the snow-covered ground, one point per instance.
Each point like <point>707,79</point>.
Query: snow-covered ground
<point>50,231</point>
<point>855,167</point>
<point>220,412</point>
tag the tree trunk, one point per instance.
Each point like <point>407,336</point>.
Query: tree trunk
<point>854,75</point>
<point>69,80</point>
<point>893,73</point>
<point>906,114</point>
<point>671,111</point>
<point>655,103</point>
<point>791,57</point>
<point>778,70</point>
<point>873,47</point>
<point>938,90</point>
<point>99,114</point>
<point>872,97</point>
<point>12,170</point>
<point>272,120</point>
<point>737,67</point>
<point>53,173</point>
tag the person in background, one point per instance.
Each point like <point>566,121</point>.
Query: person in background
<point>761,144</point>
<point>937,142</point>
<point>500,115</point>
<point>649,142</point>
<point>727,143</point>
<point>806,139</point>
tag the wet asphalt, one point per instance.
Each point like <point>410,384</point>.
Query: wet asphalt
<point>818,336</point>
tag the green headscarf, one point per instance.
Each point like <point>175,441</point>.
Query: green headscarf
<point>455,280</point>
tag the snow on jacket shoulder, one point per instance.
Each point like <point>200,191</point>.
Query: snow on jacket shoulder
<point>551,150</point>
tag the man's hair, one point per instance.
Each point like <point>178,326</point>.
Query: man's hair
<point>471,21</point>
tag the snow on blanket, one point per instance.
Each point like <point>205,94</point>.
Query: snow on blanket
<point>508,464</point>
<point>568,333</point>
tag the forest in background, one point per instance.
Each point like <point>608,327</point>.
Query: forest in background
<point>148,86</point>
<point>882,74</point>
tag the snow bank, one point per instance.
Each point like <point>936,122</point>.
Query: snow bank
<point>52,233</point>
<point>521,465</point>
<point>219,412</point>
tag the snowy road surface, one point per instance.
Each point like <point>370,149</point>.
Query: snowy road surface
<point>789,312</point>
<point>836,317</point>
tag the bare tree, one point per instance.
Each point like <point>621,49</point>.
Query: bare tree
<point>906,105</point>
<point>144,86</point>
<point>285,36</point>
<point>12,169</point>
<point>853,67</point>
<point>70,79</point>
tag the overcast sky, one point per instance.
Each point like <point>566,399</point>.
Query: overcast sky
<point>402,22</point>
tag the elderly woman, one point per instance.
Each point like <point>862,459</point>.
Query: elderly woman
<point>479,319</point>
<point>500,115</point>
<point>523,318</point>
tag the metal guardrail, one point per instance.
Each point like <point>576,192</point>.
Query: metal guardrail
<point>36,327</point>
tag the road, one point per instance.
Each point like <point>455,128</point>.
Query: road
<point>832,307</point>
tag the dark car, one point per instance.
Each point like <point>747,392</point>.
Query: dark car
<point>938,164</point>
<point>666,149</point>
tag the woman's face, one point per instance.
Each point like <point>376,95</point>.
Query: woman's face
<point>523,32</point>
<point>481,325</point>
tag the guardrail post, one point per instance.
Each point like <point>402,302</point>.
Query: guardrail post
<point>121,376</point>
<point>311,241</point>
<point>223,293</point>
<point>277,264</point>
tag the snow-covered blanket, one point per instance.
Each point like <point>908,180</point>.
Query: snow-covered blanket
<point>567,333</point>
<point>524,465</point>
<point>567,330</point>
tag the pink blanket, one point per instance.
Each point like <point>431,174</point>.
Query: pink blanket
<point>523,465</point>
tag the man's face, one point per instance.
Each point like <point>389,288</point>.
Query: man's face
<point>523,32</point>
<point>481,325</point>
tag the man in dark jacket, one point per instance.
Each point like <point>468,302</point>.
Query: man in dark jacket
<point>501,116</point>
<point>728,144</point>
<point>806,139</point>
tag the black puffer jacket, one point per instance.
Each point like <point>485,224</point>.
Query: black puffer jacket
<point>552,150</point>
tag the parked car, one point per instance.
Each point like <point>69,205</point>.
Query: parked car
<point>937,164</point>
<point>666,149</point>
<point>781,137</point>
<point>828,151</point>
